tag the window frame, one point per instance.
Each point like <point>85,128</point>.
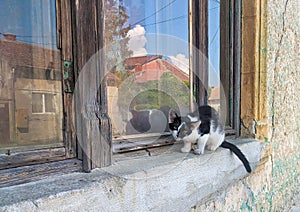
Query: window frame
<point>230,63</point>
<point>76,41</point>
<point>13,157</point>
<point>44,103</point>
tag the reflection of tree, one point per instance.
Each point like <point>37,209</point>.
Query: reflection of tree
<point>168,91</point>
<point>116,39</point>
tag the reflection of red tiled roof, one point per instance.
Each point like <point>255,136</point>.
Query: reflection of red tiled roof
<point>154,68</point>
<point>22,54</point>
<point>176,71</point>
<point>134,61</point>
<point>215,93</point>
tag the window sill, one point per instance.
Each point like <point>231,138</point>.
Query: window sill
<point>143,183</point>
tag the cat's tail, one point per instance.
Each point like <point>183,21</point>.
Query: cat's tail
<point>238,153</point>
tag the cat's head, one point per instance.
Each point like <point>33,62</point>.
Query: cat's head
<point>188,131</point>
<point>181,126</point>
<point>174,122</point>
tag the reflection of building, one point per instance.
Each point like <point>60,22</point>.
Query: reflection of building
<point>214,98</point>
<point>147,68</point>
<point>142,69</point>
<point>30,93</point>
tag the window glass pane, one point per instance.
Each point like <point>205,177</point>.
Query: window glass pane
<point>49,103</point>
<point>37,103</point>
<point>147,63</point>
<point>214,53</point>
<point>30,75</point>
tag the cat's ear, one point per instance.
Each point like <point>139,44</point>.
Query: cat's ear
<point>195,125</point>
<point>172,115</point>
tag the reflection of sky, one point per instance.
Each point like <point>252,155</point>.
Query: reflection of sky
<point>214,41</point>
<point>170,17</point>
<point>32,21</point>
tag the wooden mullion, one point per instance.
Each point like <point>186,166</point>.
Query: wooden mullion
<point>225,61</point>
<point>83,35</point>
<point>93,125</point>
<point>236,65</point>
<point>104,153</point>
<point>65,31</point>
<point>230,63</point>
<point>76,65</point>
<point>199,45</point>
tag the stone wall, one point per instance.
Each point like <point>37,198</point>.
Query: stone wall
<point>274,108</point>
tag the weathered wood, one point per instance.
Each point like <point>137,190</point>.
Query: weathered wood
<point>237,29</point>
<point>16,176</point>
<point>144,142</point>
<point>199,50</point>
<point>64,31</point>
<point>230,63</point>
<point>31,157</point>
<point>148,152</point>
<point>124,145</point>
<point>225,51</point>
<point>92,122</point>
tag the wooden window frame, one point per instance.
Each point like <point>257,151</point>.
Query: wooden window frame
<point>98,149</point>
<point>230,59</point>
<point>80,36</point>
<point>230,63</point>
<point>24,156</point>
<point>21,165</point>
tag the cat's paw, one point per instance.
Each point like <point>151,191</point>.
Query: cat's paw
<point>211,148</point>
<point>198,151</point>
<point>185,150</point>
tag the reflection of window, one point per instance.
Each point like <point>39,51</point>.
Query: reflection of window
<point>43,103</point>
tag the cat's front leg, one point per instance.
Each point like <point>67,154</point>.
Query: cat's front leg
<point>187,146</point>
<point>201,142</point>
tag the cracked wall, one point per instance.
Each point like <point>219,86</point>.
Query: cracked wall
<point>270,107</point>
<point>283,70</point>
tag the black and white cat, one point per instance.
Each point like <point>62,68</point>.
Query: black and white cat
<point>204,128</point>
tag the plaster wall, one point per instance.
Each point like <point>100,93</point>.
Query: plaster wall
<point>270,108</point>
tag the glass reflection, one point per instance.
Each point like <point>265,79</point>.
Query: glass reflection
<point>147,63</point>
<point>30,76</point>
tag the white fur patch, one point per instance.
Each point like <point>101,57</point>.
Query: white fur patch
<point>193,137</point>
<point>193,119</point>
<point>174,133</point>
<point>215,138</point>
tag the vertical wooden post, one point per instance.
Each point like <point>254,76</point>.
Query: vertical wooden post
<point>104,153</point>
<point>92,121</point>
<point>199,50</point>
<point>225,64</point>
<point>65,43</point>
<point>237,42</point>
<point>230,62</point>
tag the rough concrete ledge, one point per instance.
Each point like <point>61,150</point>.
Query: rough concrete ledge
<point>167,182</point>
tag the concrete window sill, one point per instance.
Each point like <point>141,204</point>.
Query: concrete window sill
<point>169,181</point>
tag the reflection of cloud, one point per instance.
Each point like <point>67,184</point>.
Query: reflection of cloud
<point>181,62</point>
<point>137,41</point>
